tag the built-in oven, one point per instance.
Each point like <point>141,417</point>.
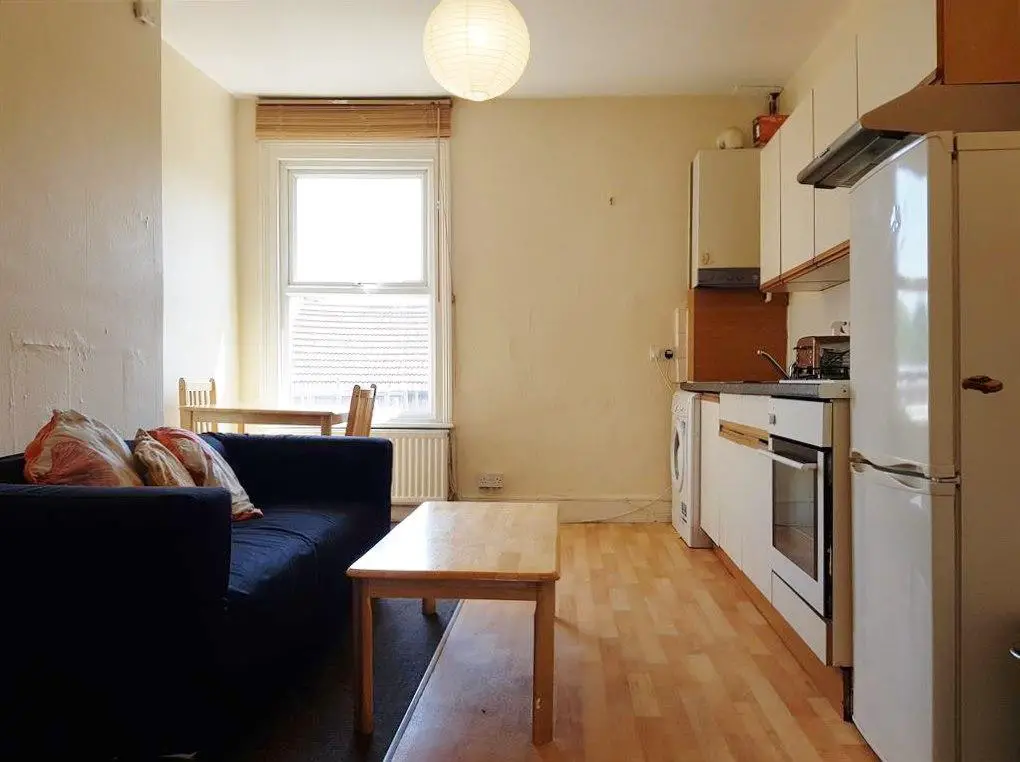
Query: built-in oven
<point>801,455</point>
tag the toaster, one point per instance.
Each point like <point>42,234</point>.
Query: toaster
<point>822,357</point>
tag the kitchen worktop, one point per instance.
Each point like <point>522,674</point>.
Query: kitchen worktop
<point>805,390</point>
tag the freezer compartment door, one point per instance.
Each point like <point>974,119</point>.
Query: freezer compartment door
<point>903,592</point>
<point>902,310</point>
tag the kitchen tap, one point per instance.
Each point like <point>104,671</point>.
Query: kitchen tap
<point>775,363</point>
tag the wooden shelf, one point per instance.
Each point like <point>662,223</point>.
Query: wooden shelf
<point>828,269</point>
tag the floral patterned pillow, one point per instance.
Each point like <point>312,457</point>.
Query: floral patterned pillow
<point>76,449</point>
<point>207,467</point>
<point>157,465</point>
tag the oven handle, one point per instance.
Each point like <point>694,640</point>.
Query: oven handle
<point>788,461</point>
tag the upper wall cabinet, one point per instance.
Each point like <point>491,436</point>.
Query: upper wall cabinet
<point>771,213</point>
<point>835,110</point>
<point>980,41</point>
<point>897,48</point>
<point>797,232</point>
<point>724,210</point>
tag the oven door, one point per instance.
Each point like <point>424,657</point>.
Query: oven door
<point>800,523</point>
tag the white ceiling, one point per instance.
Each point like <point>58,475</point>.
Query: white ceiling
<point>578,47</point>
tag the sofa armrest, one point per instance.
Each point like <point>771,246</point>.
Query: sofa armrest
<point>113,609</point>
<point>311,469</point>
<point>118,542</point>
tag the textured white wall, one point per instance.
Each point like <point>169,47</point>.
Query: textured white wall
<point>80,260</point>
<point>199,251</point>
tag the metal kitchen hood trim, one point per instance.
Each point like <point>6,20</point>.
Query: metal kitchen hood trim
<point>925,109</point>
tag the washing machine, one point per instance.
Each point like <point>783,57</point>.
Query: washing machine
<point>685,464</point>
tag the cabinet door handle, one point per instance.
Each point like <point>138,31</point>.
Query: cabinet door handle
<point>790,462</point>
<point>772,419</point>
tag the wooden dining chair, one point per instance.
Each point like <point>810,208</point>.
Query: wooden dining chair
<point>198,393</point>
<point>359,419</point>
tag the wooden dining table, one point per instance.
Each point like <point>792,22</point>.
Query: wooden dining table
<point>325,420</point>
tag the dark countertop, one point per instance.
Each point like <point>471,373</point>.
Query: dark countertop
<point>802,391</point>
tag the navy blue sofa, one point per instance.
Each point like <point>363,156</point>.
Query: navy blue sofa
<point>137,622</point>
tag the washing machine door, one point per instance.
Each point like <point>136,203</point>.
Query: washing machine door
<point>678,454</point>
<point>678,465</point>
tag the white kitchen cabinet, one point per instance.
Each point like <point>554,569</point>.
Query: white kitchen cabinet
<point>712,470</point>
<point>756,550</point>
<point>897,49</point>
<point>745,409</point>
<point>797,233</point>
<point>731,504</point>
<point>835,111</point>
<point>724,210</point>
<point>746,505</point>
<point>771,242</point>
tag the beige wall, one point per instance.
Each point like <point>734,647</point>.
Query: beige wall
<point>80,259</point>
<point>249,252</point>
<point>199,251</point>
<point>559,294</point>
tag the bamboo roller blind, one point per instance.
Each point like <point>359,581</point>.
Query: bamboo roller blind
<point>353,119</point>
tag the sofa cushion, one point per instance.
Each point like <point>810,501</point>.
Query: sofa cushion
<point>74,449</point>
<point>207,467</point>
<point>289,569</point>
<point>157,465</point>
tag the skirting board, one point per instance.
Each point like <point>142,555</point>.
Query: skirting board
<point>576,510</point>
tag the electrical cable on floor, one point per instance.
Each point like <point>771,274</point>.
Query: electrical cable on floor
<point>635,509</point>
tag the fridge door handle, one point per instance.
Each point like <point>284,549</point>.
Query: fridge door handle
<point>983,384</point>
<point>859,463</point>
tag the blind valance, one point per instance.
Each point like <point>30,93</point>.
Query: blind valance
<point>352,119</point>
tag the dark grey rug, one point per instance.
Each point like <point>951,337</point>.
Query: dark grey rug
<point>312,720</point>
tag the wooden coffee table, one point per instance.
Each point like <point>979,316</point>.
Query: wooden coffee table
<point>494,551</point>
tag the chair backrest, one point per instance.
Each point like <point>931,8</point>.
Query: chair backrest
<point>359,419</point>
<point>198,393</point>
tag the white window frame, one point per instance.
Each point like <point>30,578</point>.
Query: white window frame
<point>281,163</point>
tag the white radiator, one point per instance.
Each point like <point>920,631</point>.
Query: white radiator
<point>421,463</point>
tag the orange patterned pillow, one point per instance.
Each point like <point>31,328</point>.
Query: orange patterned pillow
<point>206,467</point>
<point>157,465</point>
<point>75,449</point>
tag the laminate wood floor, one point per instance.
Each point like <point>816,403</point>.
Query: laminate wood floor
<point>659,656</point>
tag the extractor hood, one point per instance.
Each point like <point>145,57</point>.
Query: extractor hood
<point>927,108</point>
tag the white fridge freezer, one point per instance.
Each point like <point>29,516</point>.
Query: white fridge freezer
<point>935,306</point>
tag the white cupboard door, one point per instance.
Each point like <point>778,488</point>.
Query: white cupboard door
<point>711,469</point>
<point>731,506</point>
<point>725,214</point>
<point>757,544</point>
<point>771,266</point>
<point>897,49</point>
<point>797,232</point>
<point>835,111</point>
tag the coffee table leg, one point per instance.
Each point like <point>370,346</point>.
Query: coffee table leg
<point>363,720</point>
<point>542,707</point>
<point>428,606</point>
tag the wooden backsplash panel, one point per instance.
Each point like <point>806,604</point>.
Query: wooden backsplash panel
<point>726,328</point>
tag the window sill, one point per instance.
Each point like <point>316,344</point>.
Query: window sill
<point>413,426</point>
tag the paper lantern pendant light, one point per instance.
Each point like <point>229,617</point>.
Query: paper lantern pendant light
<point>476,49</point>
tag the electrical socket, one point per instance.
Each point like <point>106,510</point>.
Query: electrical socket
<point>661,354</point>
<point>490,480</point>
